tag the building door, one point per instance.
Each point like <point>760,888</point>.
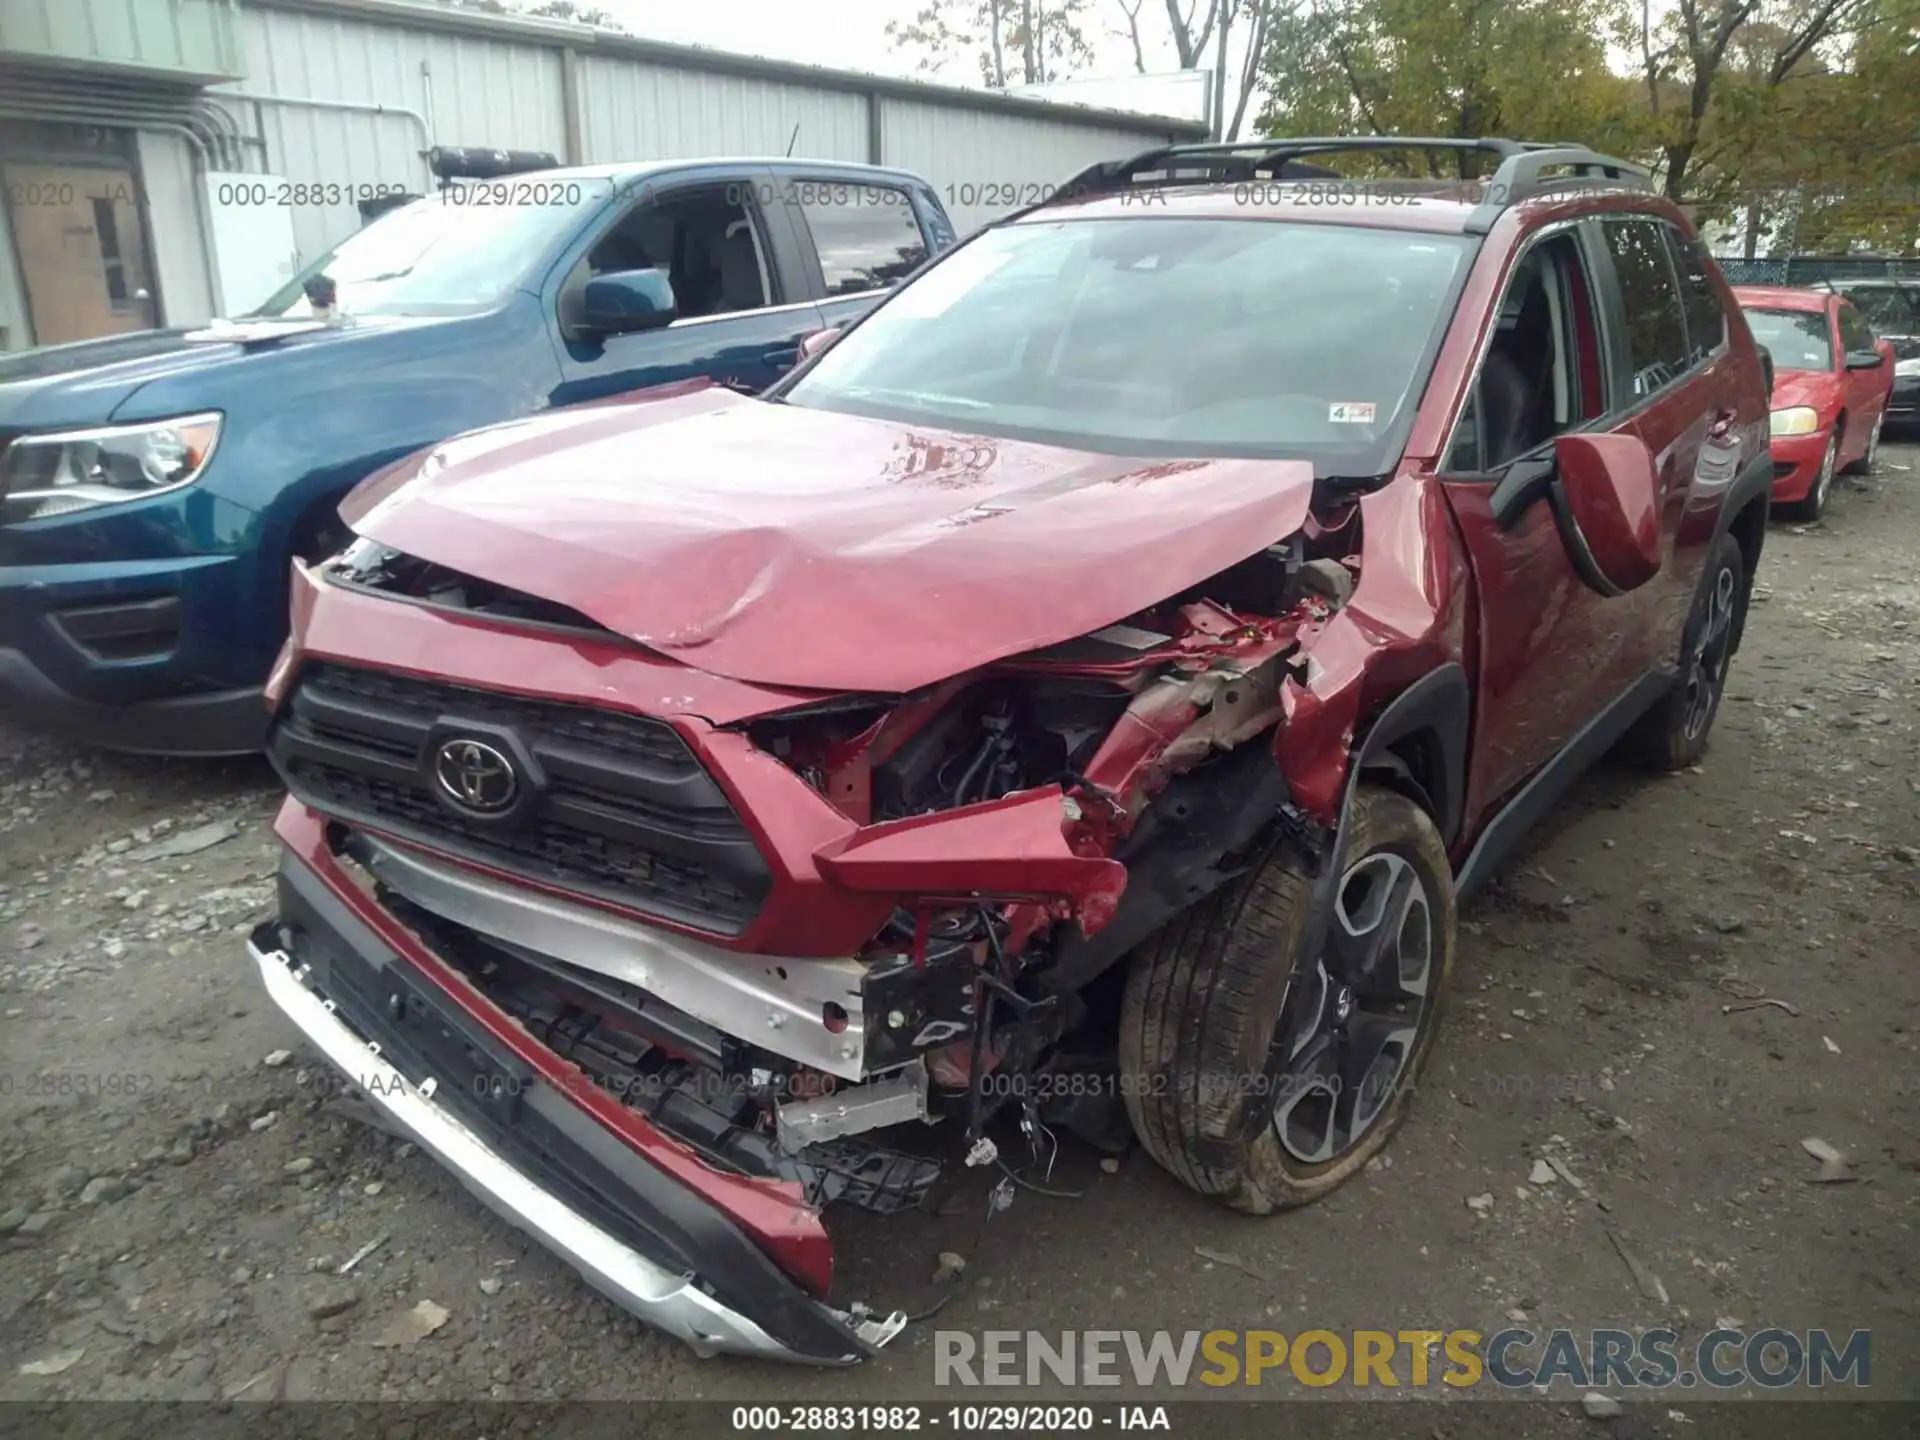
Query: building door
<point>82,250</point>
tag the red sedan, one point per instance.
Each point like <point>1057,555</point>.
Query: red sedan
<point>1830,388</point>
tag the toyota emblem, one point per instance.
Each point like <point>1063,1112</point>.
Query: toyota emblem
<point>476,777</point>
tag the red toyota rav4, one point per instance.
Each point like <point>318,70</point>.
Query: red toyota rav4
<point>1075,699</point>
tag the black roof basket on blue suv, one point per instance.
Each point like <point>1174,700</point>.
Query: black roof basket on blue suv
<point>1527,168</point>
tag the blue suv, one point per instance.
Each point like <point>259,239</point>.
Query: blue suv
<point>154,488</point>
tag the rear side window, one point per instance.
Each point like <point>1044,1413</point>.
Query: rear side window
<point>866,235</point>
<point>1656,324</point>
<point>1706,321</point>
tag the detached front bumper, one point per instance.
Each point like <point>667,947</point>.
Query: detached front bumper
<point>530,1150</point>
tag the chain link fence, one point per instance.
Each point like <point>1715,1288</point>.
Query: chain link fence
<point>1812,269</point>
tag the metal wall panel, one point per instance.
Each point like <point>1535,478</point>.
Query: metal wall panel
<point>985,164</point>
<point>389,88</point>
<point>474,90</point>
<point>633,110</point>
<point>190,38</point>
<point>179,256</point>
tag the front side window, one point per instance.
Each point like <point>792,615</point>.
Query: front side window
<point>1856,337</point>
<point>1542,374</point>
<point>705,239</point>
<point>457,252</point>
<point>1797,339</point>
<point>866,235</point>
<point>1161,336</point>
<point>1656,324</point>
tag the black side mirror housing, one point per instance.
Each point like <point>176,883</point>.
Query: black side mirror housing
<point>1766,368</point>
<point>621,302</point>
<point>1864,360</point>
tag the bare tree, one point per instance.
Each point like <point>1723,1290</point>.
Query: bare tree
<point>1197,27</point>
<point>1132,12</point>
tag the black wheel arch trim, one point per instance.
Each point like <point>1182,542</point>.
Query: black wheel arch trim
<point>1753,485</point>
<point>1754,482</point>
<point>1440,705</point>
<point>1540,793</point>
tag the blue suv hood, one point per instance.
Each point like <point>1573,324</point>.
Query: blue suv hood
<point>89,383</point>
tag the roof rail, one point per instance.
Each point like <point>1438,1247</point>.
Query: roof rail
<point>1522,177</point>
<point>1521,173</point>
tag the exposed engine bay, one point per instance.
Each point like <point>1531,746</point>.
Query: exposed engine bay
<point>1148,743</point>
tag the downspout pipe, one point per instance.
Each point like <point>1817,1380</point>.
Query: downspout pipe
<point>352,107</point>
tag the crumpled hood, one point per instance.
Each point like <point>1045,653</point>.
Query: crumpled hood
<point>795,547</point>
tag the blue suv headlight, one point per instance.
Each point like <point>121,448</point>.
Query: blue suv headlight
<point>59,473</point>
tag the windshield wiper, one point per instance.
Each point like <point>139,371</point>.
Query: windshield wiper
<point>1340,487</point>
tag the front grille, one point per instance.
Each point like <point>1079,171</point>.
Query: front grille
<point>622,811</point>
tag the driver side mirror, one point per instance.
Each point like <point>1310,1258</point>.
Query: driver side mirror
<point>1864,360</point>
<point>819,340</point>
<point>1605,494</point>
<point>1766,368</point>
<point>621,302</point>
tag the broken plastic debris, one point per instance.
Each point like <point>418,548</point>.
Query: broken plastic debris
<point>361,1254</point>
<point>1834,1169</point>
<point>1227,1257</point>
<point>413,1325</point>
<point>56,1364</point>
<point>1644,1279</point>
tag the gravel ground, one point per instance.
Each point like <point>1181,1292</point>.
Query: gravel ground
<point>180,1183</point>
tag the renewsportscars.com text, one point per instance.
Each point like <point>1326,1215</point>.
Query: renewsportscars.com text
<point>1515,1358</point>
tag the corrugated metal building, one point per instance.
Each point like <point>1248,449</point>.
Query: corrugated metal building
<point>163,160</point>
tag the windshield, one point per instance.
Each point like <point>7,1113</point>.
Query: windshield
<point>1797,339</point>
<point>1159,336</point>
<point>1890,310</point>
<point>453,253</point>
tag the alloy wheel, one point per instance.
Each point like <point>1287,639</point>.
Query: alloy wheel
<point>1707,665</point>
<point>1828,464</point>
<point>1353,1014</point>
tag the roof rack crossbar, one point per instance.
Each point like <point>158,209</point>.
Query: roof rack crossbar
<point>1520,174</point>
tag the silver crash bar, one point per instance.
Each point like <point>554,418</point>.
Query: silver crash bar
<point>660,1297</point>
<point>810,1011</point>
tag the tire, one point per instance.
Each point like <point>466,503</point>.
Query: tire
<point>1864,465</point>
<point>1815,505</point>
<point>1206,997</point>
<point>1673,734</point>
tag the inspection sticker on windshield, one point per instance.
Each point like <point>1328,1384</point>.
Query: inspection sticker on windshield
<point>1351,412</point>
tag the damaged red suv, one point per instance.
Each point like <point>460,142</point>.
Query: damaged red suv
<point>1074,700</point>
